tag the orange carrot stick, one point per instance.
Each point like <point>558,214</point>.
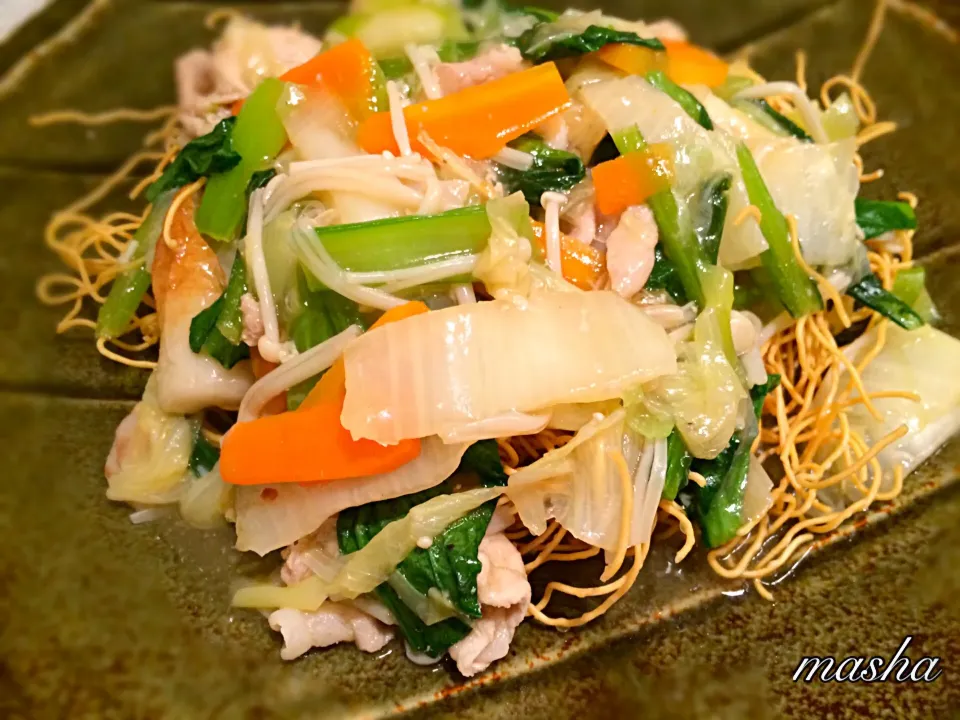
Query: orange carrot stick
<point>684,63</point>
<point>630,179</point>
<point>632,59</point>
<point>310,444</point>
<point>349,71</point>
<point>477,121</point>
<point>691,65</point>
<point>580,264</point>
<point>305,446</point>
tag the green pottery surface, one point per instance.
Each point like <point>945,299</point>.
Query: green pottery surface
<point>102,618</point>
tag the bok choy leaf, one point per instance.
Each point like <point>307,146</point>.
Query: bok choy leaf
<point>216,330</point>
<point>544,43</point>
<point>556,170</point>
<point>870,292</point>
<point>875,217</point>
<point>201,157</point>
<point>450,565</point>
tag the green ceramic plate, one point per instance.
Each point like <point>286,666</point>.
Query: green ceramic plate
<point>101,618</point>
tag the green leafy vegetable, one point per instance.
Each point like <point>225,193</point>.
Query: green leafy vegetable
<point>664,276</point>
<point>678,465</point>
<point>796,290</point>
<point>259,179</point>
<point>720,501</point>
<point>431,640</point>
<point>711,214</point>
<point>870,292</point>
<point>758,393</point>
<point>129,287</point>
<point>258,136</point>
<point>204,323</point>
<point>764,114</point>
<point>203,457</point>
<point>725,489</point>
<point>556,170</point>
<point>230,322</point>
<point>685,99</point>
<point>201,157</point>
<point>875,217</point>
<point>224,351</point>
<point>540,44</point>
<point>395,68</point>
<point>450,565</point>
<point>910,286</point>
<point>324,315</point>
<point>217,329</point>
<point>453,51</point>
<point>680,243</point>
<point>483,458</point>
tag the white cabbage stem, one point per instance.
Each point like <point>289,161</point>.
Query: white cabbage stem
<point>811,115</point>
<point>303,367</point>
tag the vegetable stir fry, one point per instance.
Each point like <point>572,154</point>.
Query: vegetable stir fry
<point>452,295</point>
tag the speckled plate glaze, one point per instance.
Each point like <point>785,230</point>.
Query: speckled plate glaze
<point>101,618</point>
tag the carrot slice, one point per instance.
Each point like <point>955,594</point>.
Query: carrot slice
<point>691,65</point>
<point>684,63</point>
<point>580,264</point>
<point>632,178</point>
<point>310,444</point>
<point>349,71</point>
<point>632,59</point>
<point>305,446</point>
<point>477,121</point>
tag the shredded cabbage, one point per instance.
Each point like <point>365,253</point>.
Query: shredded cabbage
<point>152,453</point>
<point>704,396</point>
<point>504,265</point>
<point>923,361</point>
